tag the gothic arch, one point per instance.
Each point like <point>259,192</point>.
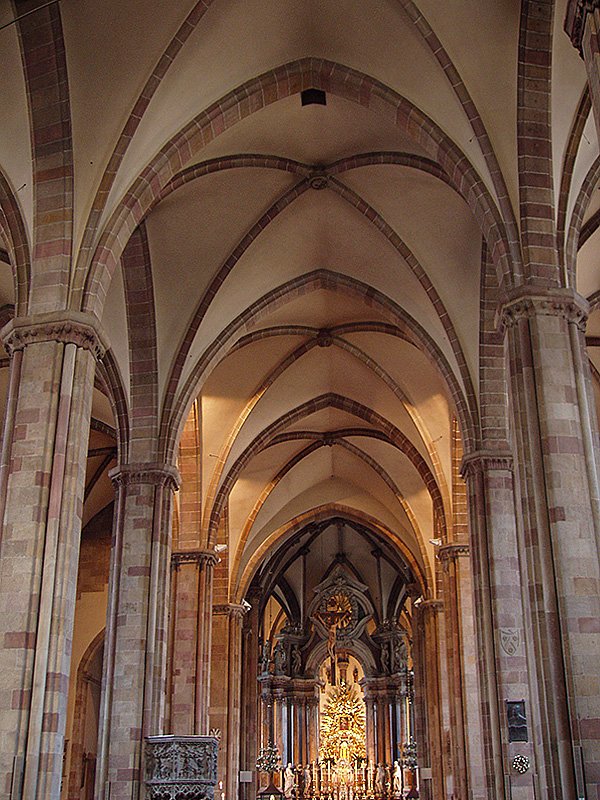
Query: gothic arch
<point>179,402</point>
<point>241,580</point>
<point>276,84</point>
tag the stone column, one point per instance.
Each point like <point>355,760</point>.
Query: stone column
<point>466,726</point>
<point>42,484</point>
<point>559,545</point>
<point>370,725</point>
<point>234,732</point>
<point>383,695</point>
<point>454,678</point>
<point>134,691</point>
<point>231,668</point>
<point>313,726</point>
<point>251,737</point>
<point>427,695</point>
<point>499,617</point>
<point>267,702</point>
<point>191,640</point>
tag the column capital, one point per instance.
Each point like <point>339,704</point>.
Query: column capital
<point>235,610</point>
<point>575,19</point>
<point>486,460</point>
<point>151,473</point>
<point>434,605</point>
<point>449,552</point>
<point>526,302</point>
<point>68,327</point>
<point>200,557</point>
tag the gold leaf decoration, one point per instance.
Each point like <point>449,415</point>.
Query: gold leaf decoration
<point>343,725</point>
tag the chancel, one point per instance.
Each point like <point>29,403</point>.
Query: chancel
<point>299,385</point>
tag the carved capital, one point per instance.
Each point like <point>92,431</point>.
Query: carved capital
<point>576,18</point>
<point>201,557</point>
<point>433,606</point>
<point>485,461</point>
<point>151,473</point>
<point>234,610</point>
<point>528,302</point>
<point>68,327</point>
<point>453,551</point>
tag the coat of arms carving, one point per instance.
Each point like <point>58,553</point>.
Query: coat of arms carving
<point>510,640</point>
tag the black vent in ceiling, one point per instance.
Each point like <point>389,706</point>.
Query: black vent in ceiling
<point>313,96</point>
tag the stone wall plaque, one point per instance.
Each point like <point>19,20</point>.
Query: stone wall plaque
<point>517,721</point>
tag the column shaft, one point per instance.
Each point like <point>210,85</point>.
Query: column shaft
<point>451,619</point>
<point>134,683</point>
<point>41,494</point>
<point>429,740</point>
<point>251,711</point>
<point>234,699</point>
<point>191,640</point>
<point>499,614</point>
<point>557,488</point>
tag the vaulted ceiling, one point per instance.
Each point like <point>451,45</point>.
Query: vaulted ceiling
<point>312,273</point>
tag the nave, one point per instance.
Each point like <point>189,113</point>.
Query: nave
<point>299,383</point>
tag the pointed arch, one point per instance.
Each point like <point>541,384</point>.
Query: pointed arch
<point>284,81</point>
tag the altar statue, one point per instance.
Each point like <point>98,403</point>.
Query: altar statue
<point>307,781</point>
<point>288,782</point>
<point>397,779</point>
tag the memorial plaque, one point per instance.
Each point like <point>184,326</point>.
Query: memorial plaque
<point>517,721</point>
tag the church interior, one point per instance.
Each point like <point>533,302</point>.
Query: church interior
<point>299,385</point>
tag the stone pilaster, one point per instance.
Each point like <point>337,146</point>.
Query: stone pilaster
<point>559,545</point>
<point>133,697</point>
<point>41,496</point>
<point>191,586</point>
